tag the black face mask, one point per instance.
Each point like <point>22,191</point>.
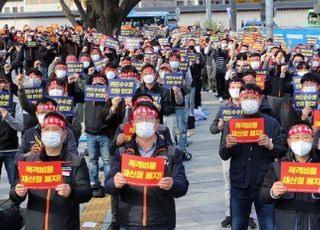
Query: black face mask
<point>139,56</point>
<point>191,47</point>
<point>109,55</point>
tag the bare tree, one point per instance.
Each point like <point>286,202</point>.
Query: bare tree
<point>106,15</point>
<point>2,3</point>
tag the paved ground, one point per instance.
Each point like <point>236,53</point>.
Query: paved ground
<point>203,206</point>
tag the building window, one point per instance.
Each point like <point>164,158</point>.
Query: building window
<point>21,9</point>
<point>200,2</point>
<point>190,3</point>
<point>7,9</point>
<point>14,9</point>
<point>180,3</point>
<point>227,1</point>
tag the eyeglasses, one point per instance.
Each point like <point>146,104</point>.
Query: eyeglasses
<point>147,118</point>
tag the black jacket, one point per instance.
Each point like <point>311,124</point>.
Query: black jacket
<point>63,212</point>
<point>293,210</point>
<point>249,161</point>
<point>160,204</point>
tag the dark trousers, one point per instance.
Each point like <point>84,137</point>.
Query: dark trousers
<point>241,203</point>
<point>197,97</point>
<point>221,84</point>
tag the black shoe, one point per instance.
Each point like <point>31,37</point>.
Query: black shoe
<point>98,191</point>
<point>226,223</point>
<point>186,156</point>
<point>252,224</point>
<point>191,122</point>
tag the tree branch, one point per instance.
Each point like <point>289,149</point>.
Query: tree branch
<point>68,13</point>
<point>2,3</point>
<point>81,11</point>
<point>126,6</point>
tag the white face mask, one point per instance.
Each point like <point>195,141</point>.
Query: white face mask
<point>156,49</point>
<point>315,64</point>
<point>174,64</point>
<point>234,93</point>
<point>309,89</point>
<point>255,65</point>
<point>55,92</point>
<point>301,148</point>
<point>145,129</point>
<point>206,50</point>
<point>29,39</point>
<point>110,75</point>
<point>61,74</point>
<point>51,139</point>
<point>95,57</point>
<point>41,117</point>
<point>31,83</point>
<point>301,73</point>
<point>148,79</point>
<point>161,74</point>
<point>86,64</point>
<point>249,107</point>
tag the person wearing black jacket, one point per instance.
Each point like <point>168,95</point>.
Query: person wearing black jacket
<point>56,208</point>
<point>158,211</point>
<point>250,161</point>
<point>293,210</point>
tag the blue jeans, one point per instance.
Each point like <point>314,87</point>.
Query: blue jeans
<point>97,147</point>
<point>182,127</point>
<point>241,203</point>
<point>189,101</point>
<point>9,163</point>
<point>44,72</point>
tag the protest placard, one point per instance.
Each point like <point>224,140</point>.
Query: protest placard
<point>111,43</point>
<point>297,83</point>
<point>184,66</point>
<point>246,130</point>
<point>261,78</point>
<point>230,112</point>
<point>132,43</point>
<point>301,100</point>
<point>142,171</point>
<point>301,177</point>
<point>5,100</point>
<point>128,130</point>
<point>95,92</point>
<point>34,94</point>
<point>312,39</point>
<point>316,118</point>
<point>174,79</point>
<point>65,105</point>
<point>40,175</point>
<point>100,64</point>
<point>121,88</point>
<point>75,67</point>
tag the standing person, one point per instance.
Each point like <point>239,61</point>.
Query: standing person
<point>211,68</point>
<point>155,209</point>
<point>250,161</point>
<point>46,56</point>
<point>293,210</point>
<point>221,59</point>
<point>10,123</point>
<point>55,208</point>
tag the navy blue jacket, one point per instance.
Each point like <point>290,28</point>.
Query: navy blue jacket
<point>159,204</point>
<point>249,161</point>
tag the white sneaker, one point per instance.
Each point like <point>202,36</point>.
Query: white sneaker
<point>220,99</point>
<point>199,108</point>
<point>210,91</point>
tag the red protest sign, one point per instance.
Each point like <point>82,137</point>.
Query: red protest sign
<point>246,130</point>
<point>142,171</point>
<point>260,78</point>
<point>316,118</point>
<point>128,130</point>
<point>300,177</point>
<point>40,175</point>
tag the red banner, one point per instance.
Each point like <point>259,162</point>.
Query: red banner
<point>316,118</point>
<point>142,171</point>
<point>261,78</point>
<point>301,177</point>
<point>40,175</point>
<point>246,130</point>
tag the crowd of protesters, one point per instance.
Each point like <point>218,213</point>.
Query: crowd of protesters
<point>222,64</point>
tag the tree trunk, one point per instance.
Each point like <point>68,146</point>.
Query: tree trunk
<point>68,13</point>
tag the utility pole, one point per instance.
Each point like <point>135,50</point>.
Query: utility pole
<point>209,13</point>
<point>269,18</point>
<point>233,6</point>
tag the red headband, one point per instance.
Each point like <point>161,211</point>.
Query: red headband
<point>125,62</point>
<point>54,121</point>
<point>300,129</point>
<point>142,99</point>
<point>249,92</point>
<point>46,106</point>
<point>145,110</point>
<point>166,66</point>
<point>71,58</point>
<point>248,77</point>
<point>54,83</point>
<point>84,58</point>
<point>99,79</point>
<point>128,75</point>
<point>235,83</point>
<point>61,66</point>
